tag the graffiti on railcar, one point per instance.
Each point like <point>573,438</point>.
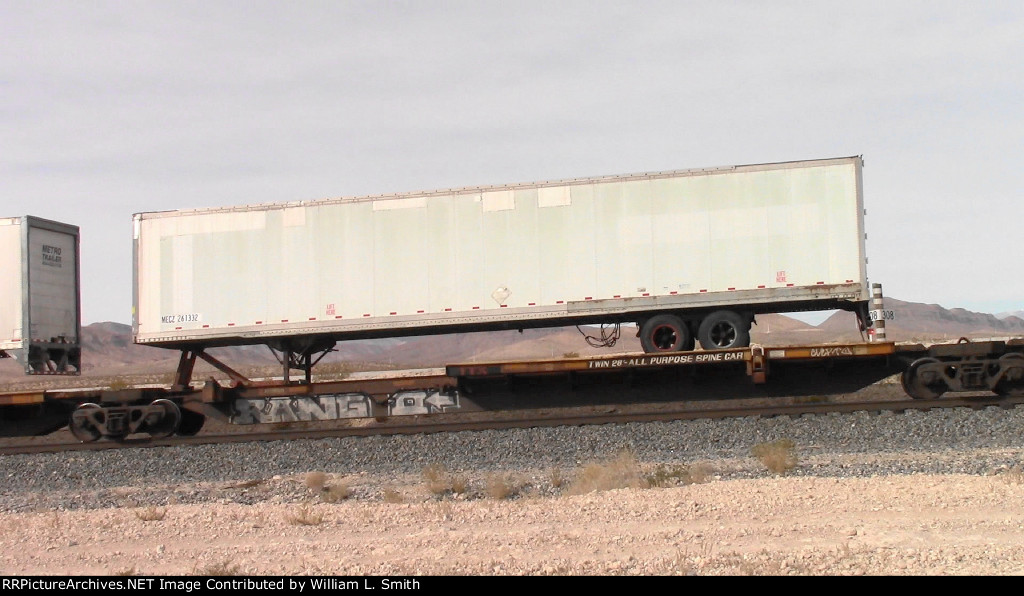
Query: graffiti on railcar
<point>338,406</point>
<point>432,401</point>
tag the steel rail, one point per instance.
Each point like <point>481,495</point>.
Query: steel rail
<point>439,423</point>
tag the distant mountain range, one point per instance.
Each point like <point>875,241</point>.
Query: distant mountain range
<point>107,348</point>
<point>917,322</point>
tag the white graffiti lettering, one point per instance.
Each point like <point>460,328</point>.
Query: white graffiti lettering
<point>842,351</point>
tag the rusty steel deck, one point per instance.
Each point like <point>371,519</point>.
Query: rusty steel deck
<point>755,371</point>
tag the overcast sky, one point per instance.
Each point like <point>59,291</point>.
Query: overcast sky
<point>113,108</point>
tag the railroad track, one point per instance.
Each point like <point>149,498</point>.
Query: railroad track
<point>607,414</point>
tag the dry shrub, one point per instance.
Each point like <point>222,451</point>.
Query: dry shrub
<point>329,492</point>
<point>689,559</point>
<point>1014,475</point>
<point>304,516</point>
<point>336,493</point>
<point>442,510</point>
<point>557,479</point>
<point>500,486</point>
<point>151,513</point>
<point>700,472</point>
<point>621,472</point>
<point>219,569</point>
<point>316,481</point>
<point>437,479</point>
<point>666,476</point>
<point>393,496</point>
<point>778,456</point>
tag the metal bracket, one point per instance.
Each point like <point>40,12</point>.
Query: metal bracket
<point>757,366</point>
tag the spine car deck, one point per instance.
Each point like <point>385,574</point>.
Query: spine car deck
<point>754,371</point>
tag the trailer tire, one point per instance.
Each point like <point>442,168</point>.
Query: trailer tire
<point>723,330</point>
<point>665,333</point>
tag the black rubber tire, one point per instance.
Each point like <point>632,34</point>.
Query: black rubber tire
<point>724,330</point>
<point>665,333</point>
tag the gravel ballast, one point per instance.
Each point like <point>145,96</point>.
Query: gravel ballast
<point>918,492</point>
<point>948,441</point>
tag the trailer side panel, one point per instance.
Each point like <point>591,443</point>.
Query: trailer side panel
<point>586,250</point>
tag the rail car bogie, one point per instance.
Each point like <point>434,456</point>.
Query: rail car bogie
<point>90,421</point>
<point>966,366</point>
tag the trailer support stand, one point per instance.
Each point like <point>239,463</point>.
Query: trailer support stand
<point>183,374</point>
<point>876,305</point>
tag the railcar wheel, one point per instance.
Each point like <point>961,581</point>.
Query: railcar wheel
<point>1012,383</point>
<point>191,423</point>
<point>922,385</point>
<point>81,424</point>
<point>163,424</point>
<point>722,330</point>
<point>665,333</point>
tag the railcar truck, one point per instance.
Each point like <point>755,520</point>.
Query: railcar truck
<point>689,256</point>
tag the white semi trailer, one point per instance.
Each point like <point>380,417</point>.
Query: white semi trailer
<point>40,316</point>
<point>689,256</point>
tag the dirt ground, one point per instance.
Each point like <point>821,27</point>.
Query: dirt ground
<point>889,525</point>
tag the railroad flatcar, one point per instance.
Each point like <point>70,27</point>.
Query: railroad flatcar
<point>690,256</point>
